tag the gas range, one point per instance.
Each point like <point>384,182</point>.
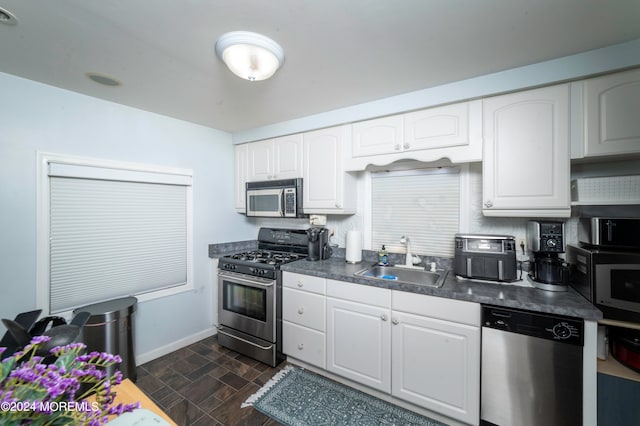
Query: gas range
<point>260,262</point>
<point>275,248</point>
<point>250,294</point>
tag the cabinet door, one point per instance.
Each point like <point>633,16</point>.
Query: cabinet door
<point>437,127</point>
<point>287,157</point>
<point>526,153</point>
<point>304,344</point>
<point>241,163</point>
<point>612,120</point>
<point>436,365</point>
<point>379,136</point>
<point>359,343</point>
<point>324,176</point>
<point>260,161</point>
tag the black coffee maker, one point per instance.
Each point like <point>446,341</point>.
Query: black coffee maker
<point>318,243</point>
<point>546,241</point>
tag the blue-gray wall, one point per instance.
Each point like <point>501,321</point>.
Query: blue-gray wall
<point>36,117</point>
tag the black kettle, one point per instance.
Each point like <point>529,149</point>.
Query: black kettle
<point>318,244</point>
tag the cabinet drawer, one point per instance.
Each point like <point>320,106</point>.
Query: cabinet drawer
<point>304,344</point>
<point>304,282</point>
<point>303,308</point>
<point>437,307</point>
<point>375,296</point>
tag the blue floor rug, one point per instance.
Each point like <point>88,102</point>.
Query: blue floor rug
<point>297,397</point>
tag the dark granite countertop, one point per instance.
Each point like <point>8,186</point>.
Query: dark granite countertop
<point>569,303</point>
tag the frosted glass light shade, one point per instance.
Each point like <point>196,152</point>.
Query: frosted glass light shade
<point>250,56</point>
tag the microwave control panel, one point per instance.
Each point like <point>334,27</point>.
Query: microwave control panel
<point>290,202</point>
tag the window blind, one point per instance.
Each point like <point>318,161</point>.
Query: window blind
<point>420,204</point>
<point>113,238</point>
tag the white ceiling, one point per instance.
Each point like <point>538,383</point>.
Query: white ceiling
<point>338,53</point>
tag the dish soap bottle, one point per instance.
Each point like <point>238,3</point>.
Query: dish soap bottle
<point>383,256</point>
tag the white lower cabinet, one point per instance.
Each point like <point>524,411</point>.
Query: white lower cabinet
<point>359,343</point>
<point>422,349</point>
<point>304,344</point>
<point>436,354</point>
<point>303,318</point>
<point>436,365</point>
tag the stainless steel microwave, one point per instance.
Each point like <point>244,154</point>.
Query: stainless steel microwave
<point>275,198</point>
<point>608,278</point>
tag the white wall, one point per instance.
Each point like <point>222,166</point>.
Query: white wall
<point>35,117</point>
<point>607,59</point>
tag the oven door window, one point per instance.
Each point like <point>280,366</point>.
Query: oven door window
<point>618,286</point>
<point>245,300</point>
<point>625,285</point>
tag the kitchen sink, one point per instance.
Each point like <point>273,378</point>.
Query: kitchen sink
<point>402,275</point>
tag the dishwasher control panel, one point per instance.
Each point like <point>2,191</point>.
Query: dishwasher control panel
<point>545,326</point>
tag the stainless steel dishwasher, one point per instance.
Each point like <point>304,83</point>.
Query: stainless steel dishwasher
<point>531,368</point>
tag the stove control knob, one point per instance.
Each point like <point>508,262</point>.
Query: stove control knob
<point>552,243</point>
<point>561,331</point>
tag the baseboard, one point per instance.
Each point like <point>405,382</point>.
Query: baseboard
<point>174,346</point>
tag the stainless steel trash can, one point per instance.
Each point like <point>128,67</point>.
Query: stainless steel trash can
<point>110,329</point>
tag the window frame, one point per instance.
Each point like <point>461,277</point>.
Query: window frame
<point>43,204</point>
<point>464,205</point>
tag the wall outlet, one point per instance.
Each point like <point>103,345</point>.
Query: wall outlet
<point>317,219</point>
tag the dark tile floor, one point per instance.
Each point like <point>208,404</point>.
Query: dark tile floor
<point>204,384</point>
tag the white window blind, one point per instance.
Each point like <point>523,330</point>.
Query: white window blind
<point>420,204</point>
<point>115,233</point>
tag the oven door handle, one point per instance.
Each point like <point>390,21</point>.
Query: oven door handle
<point>238,277</point>
<point>264,348</point>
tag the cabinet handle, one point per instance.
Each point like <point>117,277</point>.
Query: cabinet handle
<point>338,205</point>
<point>397,147</point>
<point>406,145</point>
<point>395,321</point>
<point>383,317</point>
<point>301,311</point>
<point>300,346</point>
<point>488,204</point>
<point>300,284</point>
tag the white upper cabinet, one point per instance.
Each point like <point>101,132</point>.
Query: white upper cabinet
<point>380,136</point>
<point>440,127</point>
<point>451,131</point>
<point>279,158</point>
<point>526,165</point>
<point>241,162</point>
<point>611,115</point>
<point>327,188</point>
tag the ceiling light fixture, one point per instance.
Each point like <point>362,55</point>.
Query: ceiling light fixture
<point>7,17</point>
<point>250,56</point>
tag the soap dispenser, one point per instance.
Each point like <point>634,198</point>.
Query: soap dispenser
<point>383,256</point>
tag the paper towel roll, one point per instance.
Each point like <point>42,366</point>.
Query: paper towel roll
<point>354,247</point>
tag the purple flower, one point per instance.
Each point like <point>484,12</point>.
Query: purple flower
<point>2,350</point>
<point>60,382</point>
<point>123,408</point>
<point>25,374</point>
<point>40,339</point>
<point>99,358</point>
